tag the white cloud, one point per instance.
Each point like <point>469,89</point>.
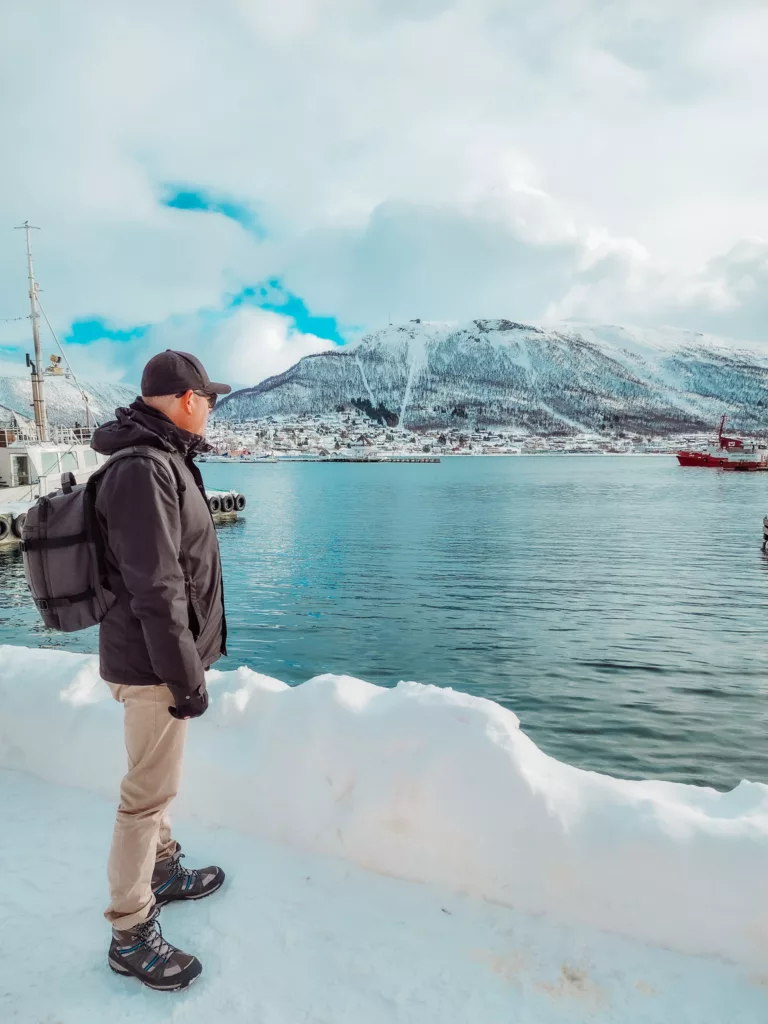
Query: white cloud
<point>241,349</point>
<point>261,344</point>
<point>503,255</point>
<point>438,158</point>
<point>727,296</point>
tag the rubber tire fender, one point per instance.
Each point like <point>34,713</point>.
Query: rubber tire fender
<point>18,524</point>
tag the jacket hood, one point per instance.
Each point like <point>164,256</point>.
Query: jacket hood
<point>140,424</point>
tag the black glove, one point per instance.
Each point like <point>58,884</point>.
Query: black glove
<point>190,705</point>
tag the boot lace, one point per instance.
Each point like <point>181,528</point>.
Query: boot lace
<point>151,934</point>
<point>179,871</point>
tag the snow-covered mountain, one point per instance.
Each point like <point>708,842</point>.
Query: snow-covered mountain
<point>63,399</point>
<point>542,378</point>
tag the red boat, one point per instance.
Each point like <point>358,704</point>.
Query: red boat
<point>728,453</point>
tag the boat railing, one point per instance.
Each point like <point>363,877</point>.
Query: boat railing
<point>9,435</point>
<point>58,435</point>
<point>72,435</point>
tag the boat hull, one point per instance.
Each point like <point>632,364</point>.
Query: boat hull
<point>699,459</point>
<point>706,461</point>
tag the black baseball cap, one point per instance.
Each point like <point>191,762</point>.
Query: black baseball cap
<point>170,372</point>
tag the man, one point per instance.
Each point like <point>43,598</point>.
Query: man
<point>166,628</point>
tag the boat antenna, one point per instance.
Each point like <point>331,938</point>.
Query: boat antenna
<point>38,392</point>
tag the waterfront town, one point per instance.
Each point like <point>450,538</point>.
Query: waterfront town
<point>354,435</point>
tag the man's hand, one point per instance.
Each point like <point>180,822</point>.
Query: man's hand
<point>190,705</point>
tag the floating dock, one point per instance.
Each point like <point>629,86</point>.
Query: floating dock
<point>246,460</point>
<point>370,459</point>
<point>225,505</point>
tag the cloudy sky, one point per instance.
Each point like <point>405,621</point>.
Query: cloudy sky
<point>255,180</point>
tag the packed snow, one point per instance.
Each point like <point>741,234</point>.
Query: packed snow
<point>545,893</point>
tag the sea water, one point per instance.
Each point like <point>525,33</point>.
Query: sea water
<point>618,605</point>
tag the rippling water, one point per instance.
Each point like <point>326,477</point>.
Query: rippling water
<point>617,605</point>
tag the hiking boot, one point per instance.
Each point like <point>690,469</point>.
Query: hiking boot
<point>170,881</point>
<point>143,953</point>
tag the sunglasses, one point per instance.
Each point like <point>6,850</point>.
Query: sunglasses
<point>203,394</point>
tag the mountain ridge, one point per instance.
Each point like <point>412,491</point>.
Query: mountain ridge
<point>543,378</point>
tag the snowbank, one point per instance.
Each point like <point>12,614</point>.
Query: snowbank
<point>428,785</point>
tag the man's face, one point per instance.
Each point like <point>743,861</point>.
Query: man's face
<point>201,410</point>
<point>190,411</point>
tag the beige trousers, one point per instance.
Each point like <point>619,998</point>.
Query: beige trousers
<point>154,741</point>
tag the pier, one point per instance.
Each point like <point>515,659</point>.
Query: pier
<point>386,458</point>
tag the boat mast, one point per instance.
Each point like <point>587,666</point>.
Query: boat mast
<point>38,393</point>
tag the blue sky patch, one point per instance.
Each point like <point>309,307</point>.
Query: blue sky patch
<point>12,352</point>
<point>273,295</point>
<point>202,201</point>
<point>84,332</point>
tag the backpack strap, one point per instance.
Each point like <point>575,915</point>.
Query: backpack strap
<point>142,451</point>
<point>135,451</point>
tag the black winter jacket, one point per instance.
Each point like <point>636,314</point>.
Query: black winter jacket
<point>162,556</point>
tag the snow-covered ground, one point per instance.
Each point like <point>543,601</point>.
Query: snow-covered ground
<point>393,855</point>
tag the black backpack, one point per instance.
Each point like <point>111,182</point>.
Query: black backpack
<point>62,549</point>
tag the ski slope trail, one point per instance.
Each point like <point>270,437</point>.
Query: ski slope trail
<point>417,361</point>
<point>364,379</point>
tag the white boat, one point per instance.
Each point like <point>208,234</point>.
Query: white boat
<point>33,456</point>
<point>29,468</point>
<point>728,453</point>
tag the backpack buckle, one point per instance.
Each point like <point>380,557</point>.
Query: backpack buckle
<point>42,604</point>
